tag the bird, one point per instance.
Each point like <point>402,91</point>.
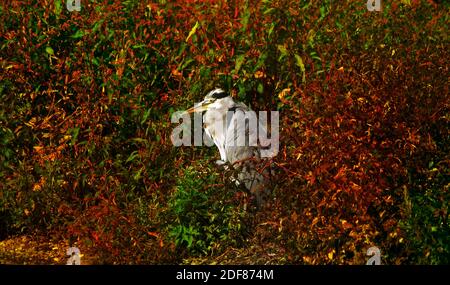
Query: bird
<point>224,122</point>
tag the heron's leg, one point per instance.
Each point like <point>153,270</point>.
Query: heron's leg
<point>236,181</point>
<point>226,166</point>
<point>223,164</point>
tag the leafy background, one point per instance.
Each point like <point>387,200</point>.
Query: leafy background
<point>86,157</point>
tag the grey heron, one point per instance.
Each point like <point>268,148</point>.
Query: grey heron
<point>225,123</point>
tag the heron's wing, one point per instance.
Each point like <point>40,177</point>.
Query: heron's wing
<point>208,133</point>
<point>238,143</point>
<point>250,170</point>
<point>250,128</point>
<point>265,139</point>
<point>214,127</point>
<point>260,133</point>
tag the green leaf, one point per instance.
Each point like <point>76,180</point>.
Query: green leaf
<point>95,61</point>
<point>145,116</point>
<point>58,8</point>
<point>260,88</point>
<point>239,61</point>
<point>322,12</point>
<point>74,133</point>
<point>193,30</point>
<point>78,34</point>
<point>300,64</point>
<point>97,25</point>
<point>49,50</point>
<point>407,2</point>
<point>139,46</point>
<point>132,156</point>
<point>137,176</point>
<point>189,240</point>
<point>283,50</point>
<point>314,55</point>
<point>269,33</point>
<point>186,63</point>
<point>268,11</point>
<point>245,19</point>
<point>139,140</point>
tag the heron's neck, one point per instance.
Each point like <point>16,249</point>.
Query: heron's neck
<point>224,103</point>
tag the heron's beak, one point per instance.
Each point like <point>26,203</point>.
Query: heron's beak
<point>199,107</point>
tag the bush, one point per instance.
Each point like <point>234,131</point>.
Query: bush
<point>85,105</point>
<point>425,218</point>
<point>208,218</point>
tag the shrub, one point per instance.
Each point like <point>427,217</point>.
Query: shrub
<point>85,105</point>
<point>208,218</point>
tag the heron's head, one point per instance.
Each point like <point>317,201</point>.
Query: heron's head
<point>212,99</point>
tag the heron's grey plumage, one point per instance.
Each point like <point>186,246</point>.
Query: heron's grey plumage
<point>244,159</point>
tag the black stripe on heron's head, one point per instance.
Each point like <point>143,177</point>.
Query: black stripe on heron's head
<point>217,94</point>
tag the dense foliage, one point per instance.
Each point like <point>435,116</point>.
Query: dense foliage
<point>85,105</point>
